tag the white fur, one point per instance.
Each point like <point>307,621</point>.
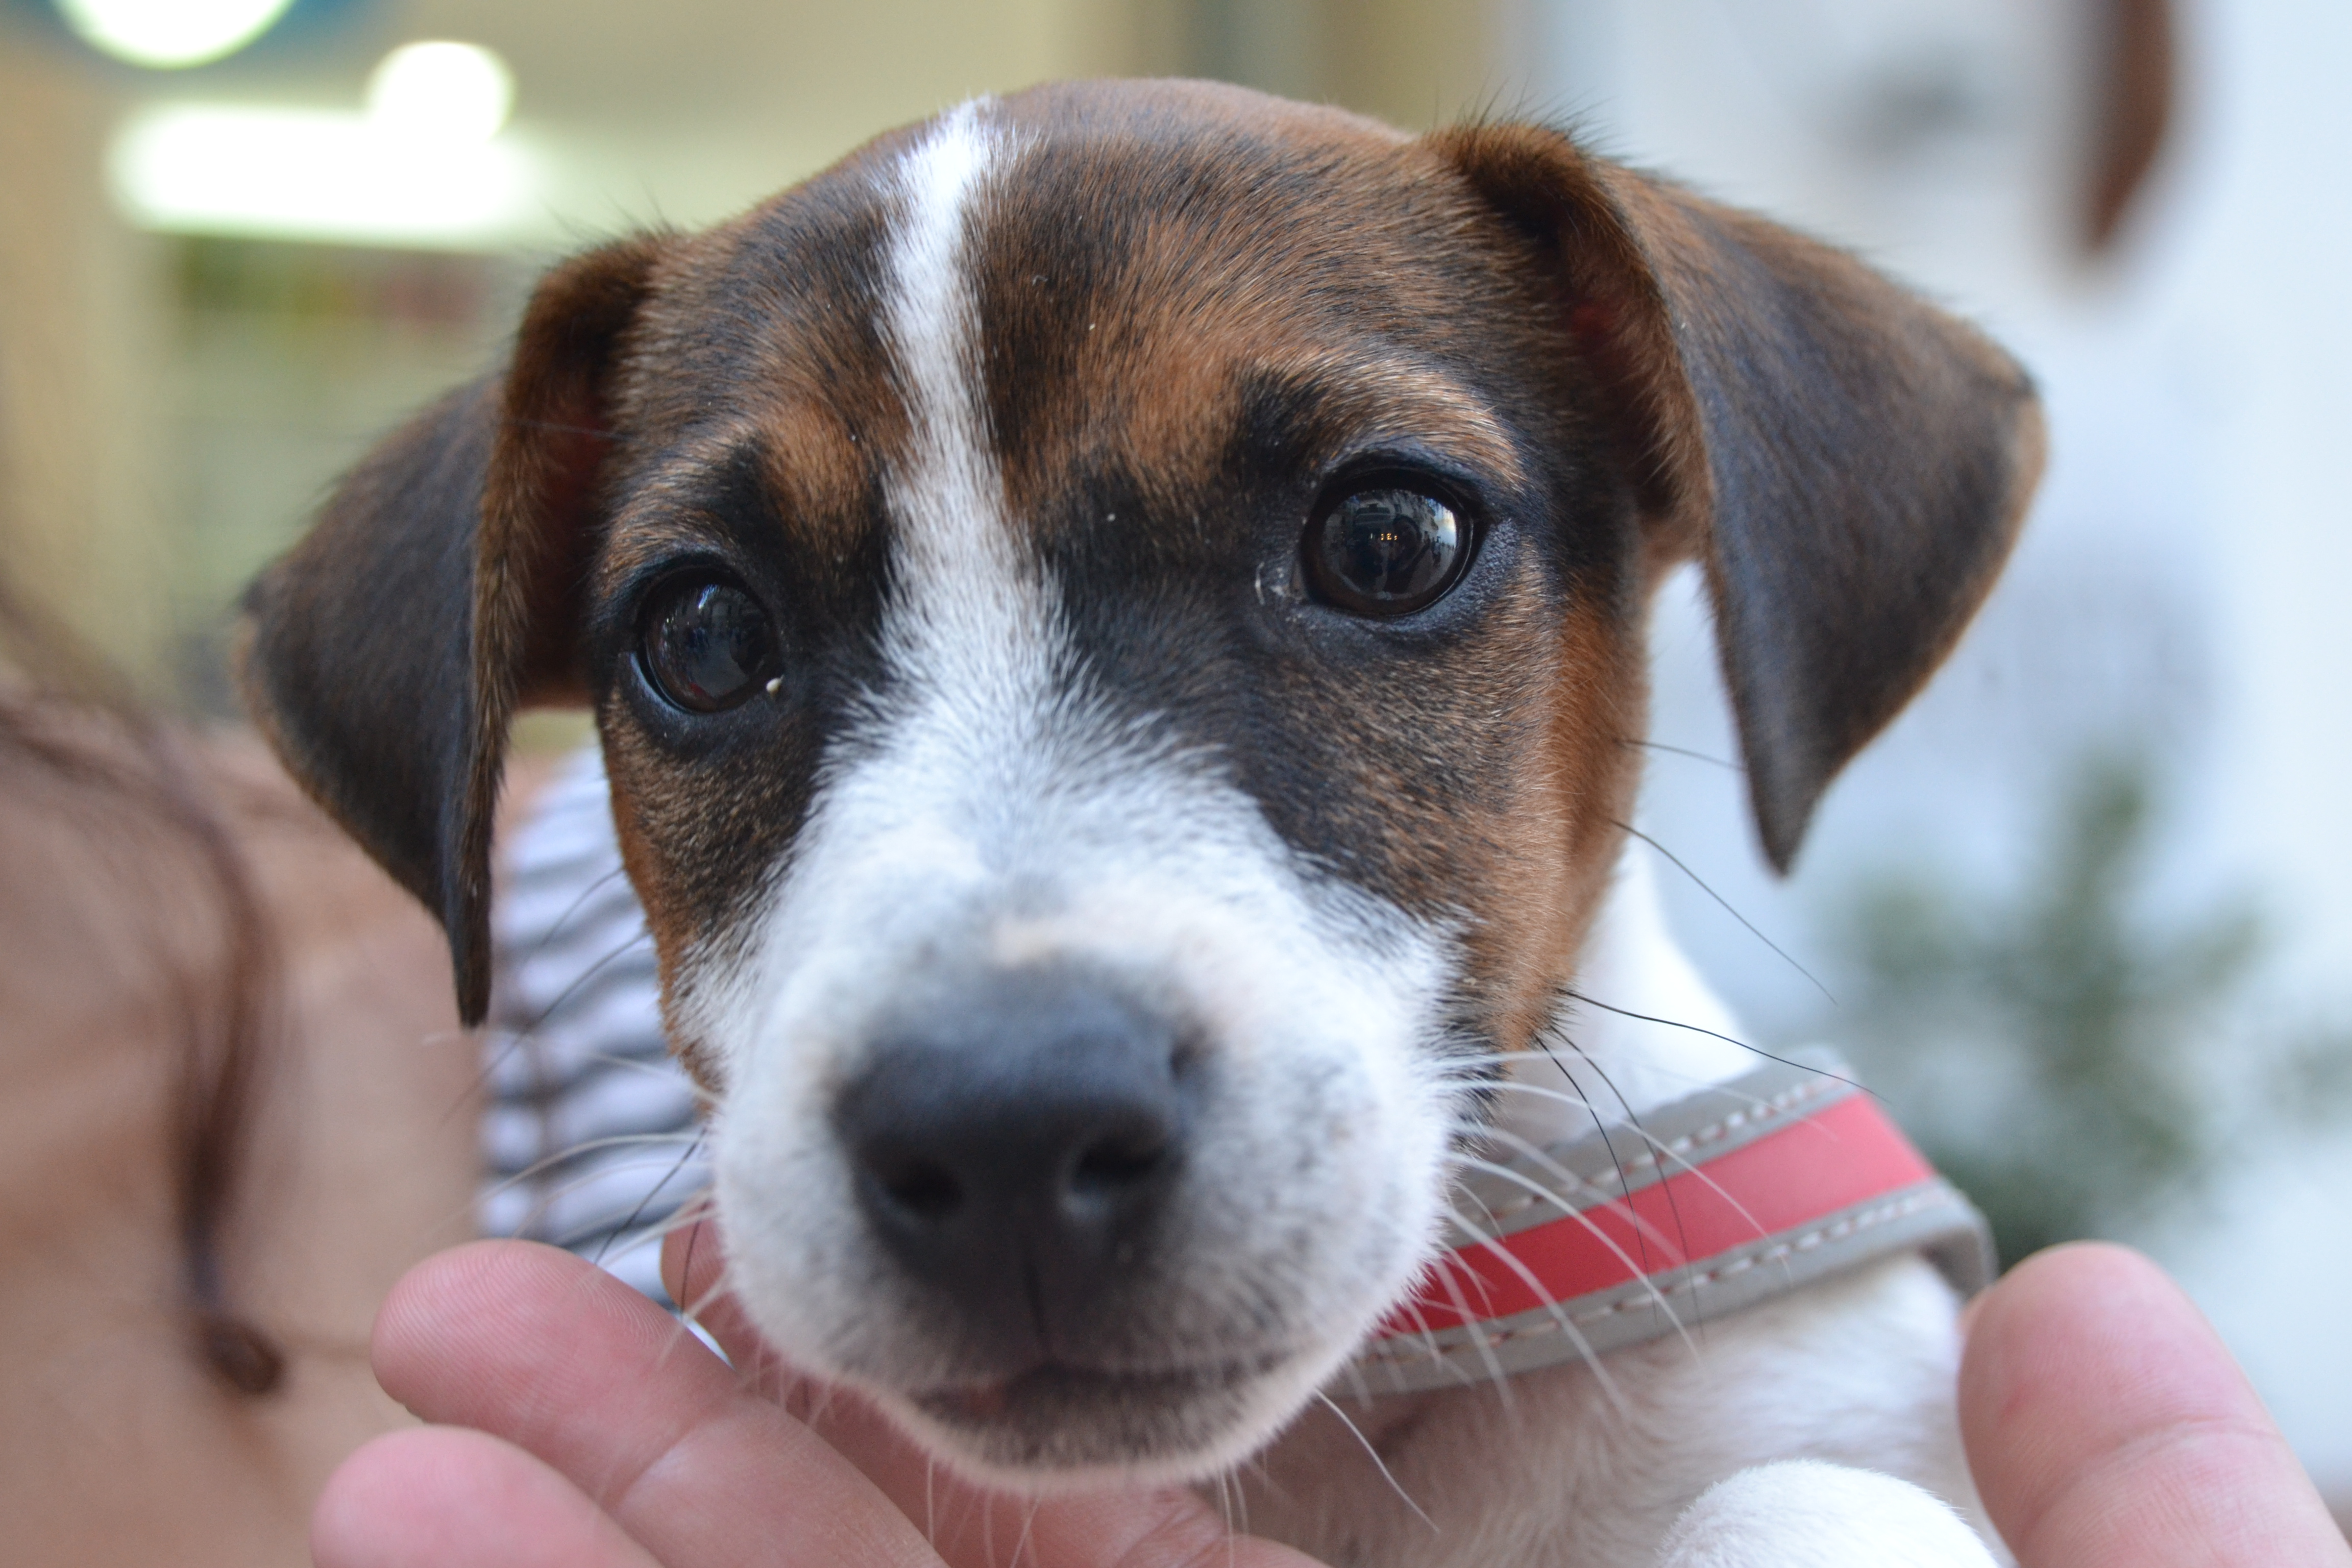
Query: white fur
<point>969,622</point>
<point>1837,1516</point>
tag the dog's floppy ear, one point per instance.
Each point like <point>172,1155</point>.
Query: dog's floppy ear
<point>1849,463</point>
<point>386,654</point>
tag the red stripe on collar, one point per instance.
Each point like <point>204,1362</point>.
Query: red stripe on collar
<point>1846,1155</point>
<point>1738,1193</point>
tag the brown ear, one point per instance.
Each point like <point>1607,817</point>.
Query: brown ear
<point>1849,464</point>
<point>386,654</point>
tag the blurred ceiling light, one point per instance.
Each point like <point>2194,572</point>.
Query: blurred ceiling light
<point>441,91</point>
<point>423,166</point>
<point>166,34</point>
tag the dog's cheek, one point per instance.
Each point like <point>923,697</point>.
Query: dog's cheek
<point>795,1255</point>
<point>796,1258</point>
<point>1322,1161</point>
<point>1341,1155</point>
<point>783,1002</point>
<point>667,924</point>
<point>1574,788</point>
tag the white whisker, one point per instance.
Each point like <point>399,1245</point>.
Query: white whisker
<point>617,1140</point>
<point>1378,1463</point>
<point>1558,1316</point>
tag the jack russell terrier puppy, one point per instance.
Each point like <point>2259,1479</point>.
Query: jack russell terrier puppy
<point>1115,619</point>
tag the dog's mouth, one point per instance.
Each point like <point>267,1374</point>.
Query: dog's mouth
<point>1056,1420</point>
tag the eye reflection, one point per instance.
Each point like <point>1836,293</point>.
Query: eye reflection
<point>1385,551</point>
<point>707,644</point>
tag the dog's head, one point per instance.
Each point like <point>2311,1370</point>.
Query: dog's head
<point>1115,620</point>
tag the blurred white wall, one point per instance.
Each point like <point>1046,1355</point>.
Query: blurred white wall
<point>2182,577</point>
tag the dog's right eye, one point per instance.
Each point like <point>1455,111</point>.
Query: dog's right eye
<point>1385,549</point>
<point>706,644</point>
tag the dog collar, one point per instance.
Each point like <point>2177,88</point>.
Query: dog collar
<point>1745,1190</point>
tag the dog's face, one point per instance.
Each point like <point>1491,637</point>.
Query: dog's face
<point>1204,633</point>
<point>1115,621</point>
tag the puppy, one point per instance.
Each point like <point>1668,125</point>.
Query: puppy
<point>1116,622</point>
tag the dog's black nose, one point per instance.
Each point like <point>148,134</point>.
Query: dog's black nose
<point>1015,1146</point>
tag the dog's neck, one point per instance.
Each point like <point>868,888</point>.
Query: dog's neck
<point>1637,1025</point>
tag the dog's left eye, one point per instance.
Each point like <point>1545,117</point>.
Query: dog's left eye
<point>1385,549</point>
<point>706,645</point>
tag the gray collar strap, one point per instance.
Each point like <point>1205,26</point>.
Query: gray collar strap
<point>1739,1193</point>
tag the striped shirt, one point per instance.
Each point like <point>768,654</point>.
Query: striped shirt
<point>590,1139</point>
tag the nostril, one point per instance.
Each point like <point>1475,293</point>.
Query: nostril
<point>921,1189</point>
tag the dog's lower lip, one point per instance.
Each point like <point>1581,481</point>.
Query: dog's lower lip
<point>985,1401</point>
<point>980,1401</point>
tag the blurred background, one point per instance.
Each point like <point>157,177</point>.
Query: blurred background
<point>2083,914</point>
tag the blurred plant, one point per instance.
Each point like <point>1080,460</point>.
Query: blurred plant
<point>2054,1053</point>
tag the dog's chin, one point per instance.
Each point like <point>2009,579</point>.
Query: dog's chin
<point>1057,1429</point>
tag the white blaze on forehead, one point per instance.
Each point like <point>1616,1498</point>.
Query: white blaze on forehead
<point>965,609</point>
<point>995,800</point>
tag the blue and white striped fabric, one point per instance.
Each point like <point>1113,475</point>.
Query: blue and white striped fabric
<point>589,1132</point>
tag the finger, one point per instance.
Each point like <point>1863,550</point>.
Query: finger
<point>2107,1424</point>
<point>946,1508</point>
<point>537,1347</point>
<point>971,1526</point>
<point>442,1497</point>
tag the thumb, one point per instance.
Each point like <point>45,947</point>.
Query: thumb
<point>2107,1426</point>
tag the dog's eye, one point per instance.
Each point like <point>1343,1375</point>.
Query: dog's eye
<point>1385,551</point>
<point>706,644</point>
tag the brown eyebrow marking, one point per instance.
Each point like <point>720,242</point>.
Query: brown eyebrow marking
<point>801,462</point>
<point>1404,401</point>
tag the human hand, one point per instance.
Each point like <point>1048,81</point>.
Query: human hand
<point>2107,1425</point>
<point>578,1426</point>
<point>2105,1422</point>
